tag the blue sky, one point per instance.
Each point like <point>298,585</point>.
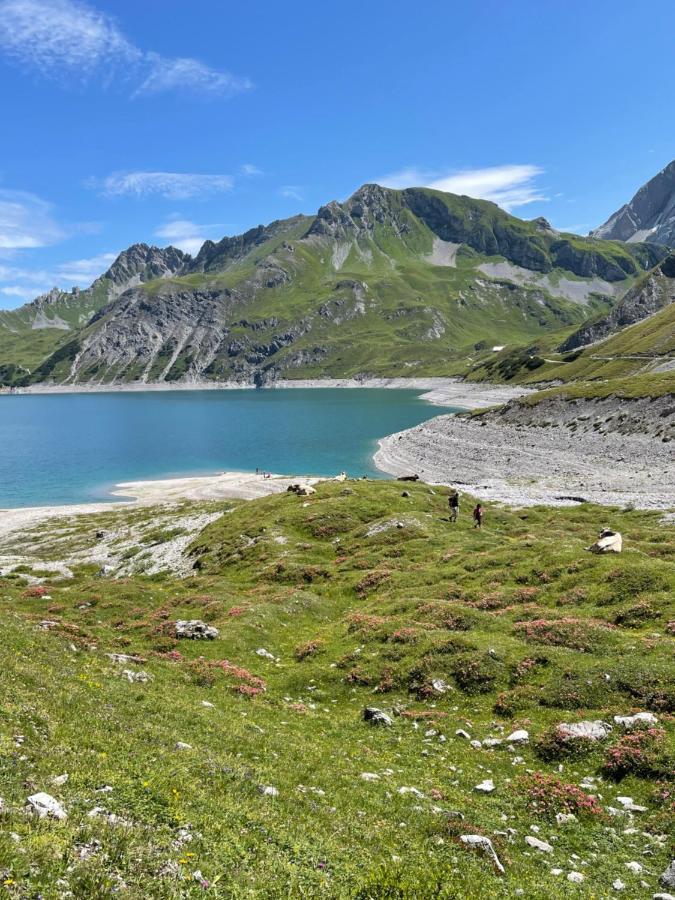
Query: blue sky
<point>168,122</point>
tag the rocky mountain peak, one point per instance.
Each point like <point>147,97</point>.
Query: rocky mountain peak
<point>649,216</point>
<point>370,205</point>
<point>48,299</point>
<point>141,262</point>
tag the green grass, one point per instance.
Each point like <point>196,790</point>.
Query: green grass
<point>356,616</point>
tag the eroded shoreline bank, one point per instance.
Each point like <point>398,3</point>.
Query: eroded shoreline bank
<point>526,465</point>
<point>437,390</point>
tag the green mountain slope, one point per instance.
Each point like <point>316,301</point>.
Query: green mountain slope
<point>386,283</point>
<point>33,332</point>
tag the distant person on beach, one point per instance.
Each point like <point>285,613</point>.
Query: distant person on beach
<point>453,503</point>
<point>478,516</point>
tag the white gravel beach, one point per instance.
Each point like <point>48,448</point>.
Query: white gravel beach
<point>525,466</point>
<point>225,486</point>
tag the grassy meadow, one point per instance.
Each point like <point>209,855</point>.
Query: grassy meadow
<point>209,769</point>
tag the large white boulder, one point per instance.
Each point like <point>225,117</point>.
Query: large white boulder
<point>592,731</point>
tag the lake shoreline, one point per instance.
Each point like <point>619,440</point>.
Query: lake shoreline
<point>157,492</point>
<point>441,391</point>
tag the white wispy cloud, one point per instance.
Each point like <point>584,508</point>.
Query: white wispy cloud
<point>509,186</point>
<point>292,192</point>
<point>174,185</point>
<point>186,75</point>
<point>69,38</point>
<point>81,272</point>
<point>188,236</point>
<point>26,221</point>
<point>250,170</point>
<point>25,283</point>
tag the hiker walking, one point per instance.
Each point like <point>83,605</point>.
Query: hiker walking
<point>453,503</point>
<point>478,516</point>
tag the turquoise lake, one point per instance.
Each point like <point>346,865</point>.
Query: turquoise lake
<point>73,448</point>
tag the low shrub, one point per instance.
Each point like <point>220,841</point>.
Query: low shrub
<point>637,615</point>
<point>548,795</point>
<point>575,634</point>
<point>643,754</point>
<point>476,675</point>
<point>554,744</point>
<point>509,703</point>
<point>311,648</point>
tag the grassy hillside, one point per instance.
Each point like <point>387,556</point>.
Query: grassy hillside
<point>389,282</point>
<point>359,596</point>
<point>639,349</point>
<point>31,333</point>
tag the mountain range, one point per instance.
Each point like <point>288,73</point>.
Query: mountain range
<point>649,216</point>
<point>389,282</point>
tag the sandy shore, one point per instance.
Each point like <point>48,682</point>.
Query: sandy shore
<point>525,466</point>
<point>441,391</point>
<point>225,486</point>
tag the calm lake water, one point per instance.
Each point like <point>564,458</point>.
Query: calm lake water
<point>73,448</point>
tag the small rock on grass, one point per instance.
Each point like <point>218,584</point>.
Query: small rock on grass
<point>480,842</point>
<point>181,745</point>
<point>46,806</point>
<point>576,877</point>
<point>195,629</point>
<point>485,787</point>
<point>538,845</point>
<point>268,790</point>
<point>667,877</point>
<point>375,716</point>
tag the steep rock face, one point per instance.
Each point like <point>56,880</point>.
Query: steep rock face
<point>650,295</point>
<point>649,216</point>
<point>140,263</point>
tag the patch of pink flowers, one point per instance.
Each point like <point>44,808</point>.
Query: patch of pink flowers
<point>548,795</point>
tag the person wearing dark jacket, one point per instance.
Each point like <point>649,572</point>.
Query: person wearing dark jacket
<point>453,503</point>
<point>478,516</point>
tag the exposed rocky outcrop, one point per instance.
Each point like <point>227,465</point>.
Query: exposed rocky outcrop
<point>649,216</point>
<point>645,298</point>
<point>140,263</point>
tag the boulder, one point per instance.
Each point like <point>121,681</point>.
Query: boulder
<point>641,718</point>
<point>537,844</point>
<point>667,877</point>
<point>480,842</point>
<point>45,806</point>
<point>518,737</point>
<point>592,731</point>
<point>301,489</point>
<point>375,716</point>
<point>196,630</point>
